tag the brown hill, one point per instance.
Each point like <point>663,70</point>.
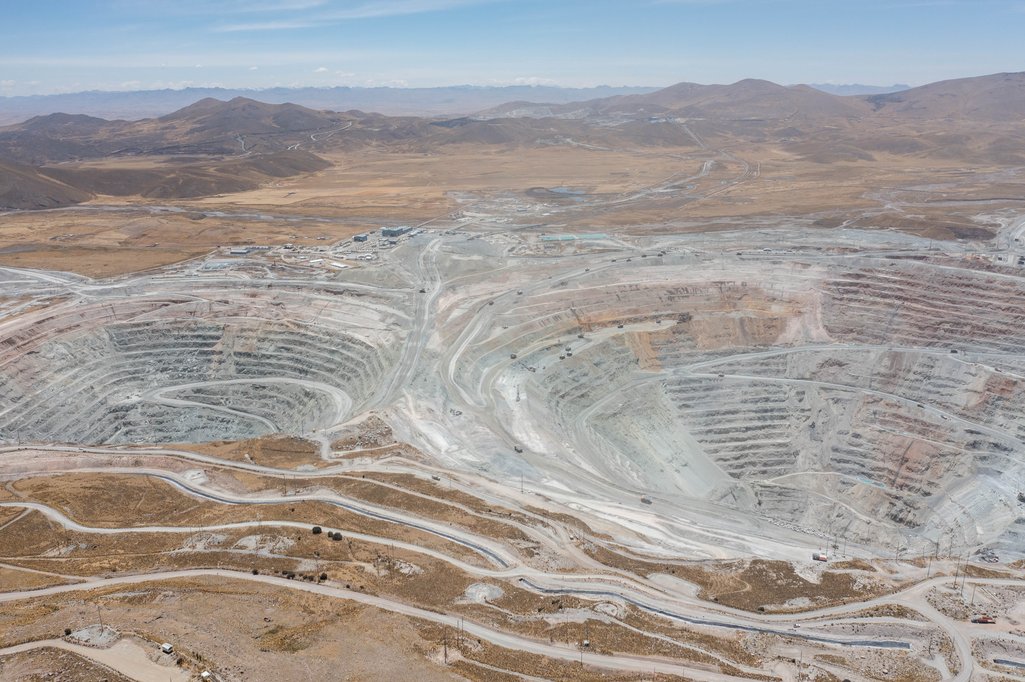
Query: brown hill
<point>189,180</point>
<point>221,147</point>
<point>60,137</point>
<point>25,188</point>
<point>243,116</point>
<point>749,99</point>
<point>206,127</point>
<point>999,98</point>
<point>746,99</point>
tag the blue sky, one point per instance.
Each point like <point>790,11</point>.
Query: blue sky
<point>70,45</point>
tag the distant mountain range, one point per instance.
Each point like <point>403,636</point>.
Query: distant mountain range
<point>212,146</point>
<point>442,101</point>
<point>446,101</point>
<point>997,97</point>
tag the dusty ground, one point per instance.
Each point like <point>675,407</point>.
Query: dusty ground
<point>104,501</point>
<point>419,186</point>
<point>760,585</point>
<point>269,629</point>
<point>55,665</point>
<point>365,568</point>
<point>14,579</point>
<point>372,432</point>
<point>280,452</point>
<point>130,238</point>
<point>366,188</point>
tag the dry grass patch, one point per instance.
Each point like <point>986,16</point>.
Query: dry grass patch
<point>116,500</point>
<point>95,262</point>
<point>754,585</point>
<point>13,580</point>
<point>47,664</point>
<point>106,243</point>
<point>279,452</point>
<point>390,183</point>
<point>223,625</point>
<point>8,514</point>
<point>472,650</point>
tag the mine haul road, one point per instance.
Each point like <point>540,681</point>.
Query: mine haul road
<point>913,597</point>
<point>503,639</point>
<point>594,586</point>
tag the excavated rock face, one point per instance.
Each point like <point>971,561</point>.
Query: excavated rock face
<point>157,370</point>
<point>868,402</point>
<point>875,399</point>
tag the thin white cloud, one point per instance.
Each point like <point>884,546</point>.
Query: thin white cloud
<point>265,26</point>
<point>392,8</point>
<point>258,58</point>
<point>372,9</point>
<point>278,5</point>
<point>320,69</point>
<point>230,7</point>
<point>690,2</point>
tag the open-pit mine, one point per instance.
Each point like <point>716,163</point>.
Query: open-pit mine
<point>580,395</point>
